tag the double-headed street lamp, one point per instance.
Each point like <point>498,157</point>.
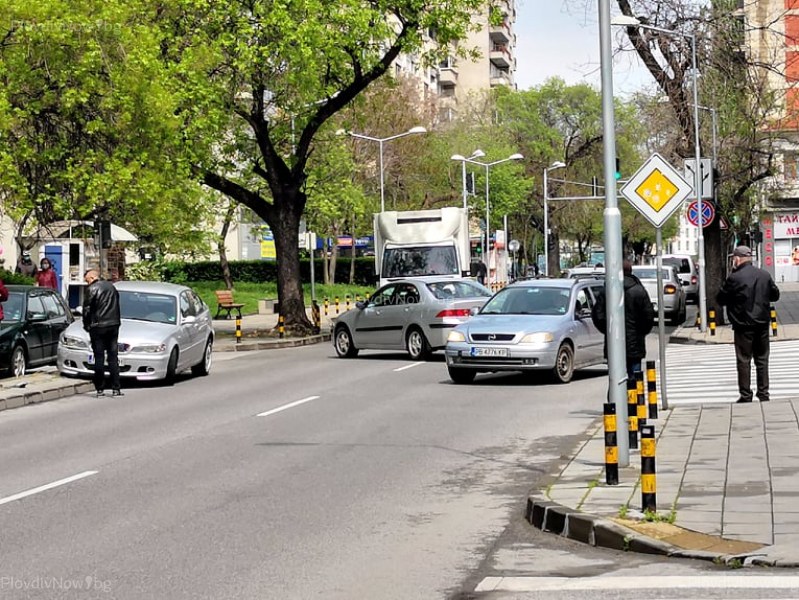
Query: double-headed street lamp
<point>476,154</point>
<point>628,21</point>
<point>487,240</point>
<point>381,141</point>
<point>555,165</point>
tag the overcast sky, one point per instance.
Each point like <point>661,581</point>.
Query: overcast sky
<point>561,37</point>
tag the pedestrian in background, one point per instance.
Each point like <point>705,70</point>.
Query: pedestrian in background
<point>748,293</point>
<point>3,298</point>
<point>639,318</point>
<point>101,319</point>
<point>26,266</point>
<point>46,277</point>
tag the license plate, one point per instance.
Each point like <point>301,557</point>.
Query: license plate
<point>489,352</point>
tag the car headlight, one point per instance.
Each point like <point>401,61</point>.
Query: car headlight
<point>456,336</point>
<point>149,348</point>
<point>70,341</point>
<point>541,337</point>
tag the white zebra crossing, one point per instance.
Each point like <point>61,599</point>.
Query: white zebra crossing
<point>706,372</point>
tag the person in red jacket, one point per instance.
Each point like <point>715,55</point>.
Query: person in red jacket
<point>46,276</point>
<point>3,297</point>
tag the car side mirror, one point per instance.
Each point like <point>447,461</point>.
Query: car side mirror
<point>360,304</point>
<point>190,319</point>
<point>77,311</point>
<point>37,317</point>
<point>584,313</point>
<point>474,310</point>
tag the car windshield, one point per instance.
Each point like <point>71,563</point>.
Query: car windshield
<point>445,290</point>
<point>650,273</point>
<point>529,301</point>
<point>146,306</point>
<point>417,261</point>
<point>13,307</point>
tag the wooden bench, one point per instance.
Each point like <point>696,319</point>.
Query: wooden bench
<point>224,299</point>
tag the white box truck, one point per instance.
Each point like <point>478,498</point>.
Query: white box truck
<point>421,243</point>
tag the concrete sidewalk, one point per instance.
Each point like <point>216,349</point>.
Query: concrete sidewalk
<point>727,477</point>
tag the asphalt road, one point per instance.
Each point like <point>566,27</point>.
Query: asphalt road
<point>387,482</point>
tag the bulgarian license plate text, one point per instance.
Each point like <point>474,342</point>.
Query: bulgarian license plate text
<point>489,352</point>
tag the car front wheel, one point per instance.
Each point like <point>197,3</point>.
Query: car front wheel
<point>461,376</point>
<point>344,345</point>
<point>564,364</point>
<point>203,367</point>
<point>19,362</point>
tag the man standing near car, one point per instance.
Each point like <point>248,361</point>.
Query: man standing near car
<point>639,317</point>
<point>101,319</point>
<point>748,293</point>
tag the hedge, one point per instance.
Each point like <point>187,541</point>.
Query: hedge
<point>257,271</point>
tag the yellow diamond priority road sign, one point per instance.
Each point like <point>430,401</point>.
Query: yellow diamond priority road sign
<point>656,190</point>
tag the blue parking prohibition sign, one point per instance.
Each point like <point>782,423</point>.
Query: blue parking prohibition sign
<point>708,213</point>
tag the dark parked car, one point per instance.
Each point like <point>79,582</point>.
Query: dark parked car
<point>34,319</point>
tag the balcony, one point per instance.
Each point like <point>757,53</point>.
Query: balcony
<point>500,56</point>
<point>500,34</point>
<point>498,78</point>
<point>447,77</point>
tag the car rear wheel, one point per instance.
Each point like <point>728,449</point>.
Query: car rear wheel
<point>461,376</point>
<point>564,364</point>
<point>203,367</point>
<point>19,362</point>
<point>344,345</point>
<point>417,344</point>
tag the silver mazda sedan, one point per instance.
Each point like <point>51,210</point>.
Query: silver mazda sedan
<point>166,329</point>
<point>413,315</point>
<point>543,324</point>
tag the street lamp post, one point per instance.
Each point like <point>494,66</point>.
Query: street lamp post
<point>628,21</point>
<point>381,141</point>
<point>476,154</point>
<point>487,241</point>
<point>552,167</point>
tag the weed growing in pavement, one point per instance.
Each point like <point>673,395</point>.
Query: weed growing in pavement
<point>623,510</point>
<point>735,563</point>
<point>654,517</point>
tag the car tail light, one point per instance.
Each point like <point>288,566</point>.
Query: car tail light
<point>670,289</point>
<point>693,279</point>
<point>453,312</point>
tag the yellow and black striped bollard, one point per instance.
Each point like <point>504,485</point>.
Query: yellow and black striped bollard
<point>698,323</point>
<point>648,478</point>
<point>712,322</point>
<point>632,413</point>
<point>347,298</point>
<point>773,321</point>
<point>327,305</point>
<point>640,398</point>
<point>611,447</point>
<point>338,309</point>
<point>281,326</point>
<point>317,317</point>
<point>238,329</point>
<point>651,389</point>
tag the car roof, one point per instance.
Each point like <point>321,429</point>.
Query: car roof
<point>563,282</point>
<point>153,287</point>
<point>19,287</point>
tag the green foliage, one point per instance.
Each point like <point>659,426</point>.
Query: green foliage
<point>9,278</point>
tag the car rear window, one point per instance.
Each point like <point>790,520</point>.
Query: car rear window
<point>445,290</point>
<point>683,265</point>
<point>650,273</point>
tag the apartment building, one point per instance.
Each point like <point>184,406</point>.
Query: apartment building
<point>772,39</point>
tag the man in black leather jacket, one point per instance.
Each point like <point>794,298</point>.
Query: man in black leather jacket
<point>747,293</point>
<point>101,320</point>
<point>639,317</point>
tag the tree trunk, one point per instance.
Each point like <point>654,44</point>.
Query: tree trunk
<point>715,259</point>
<point>352,259</point>
<point>223,261</point>
<point>325,261</point>
<point>553,268</point>
<point>289,281</point>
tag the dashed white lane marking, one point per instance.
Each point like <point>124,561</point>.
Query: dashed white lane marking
<point>286,406</point>
<point>48,486</point>
<point>411,366</point>
<point>537,584</point>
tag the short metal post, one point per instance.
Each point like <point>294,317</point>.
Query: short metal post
<point>338,310</point>
<point>327,305</point>
<point>281,327</point>
<point>611,448</point>
<point>347,297</point>
<point>712,322</point>
<point>632,414</point>
<point>640,398</point>
<point>773,321</point>
<point>652,392</point>
<point>238,329</point>
<point>648,478</point>
<point>317,317</point>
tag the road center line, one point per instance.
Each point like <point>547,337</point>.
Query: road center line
<point>286,406</point>
<point>48,486</point>
<point>416,364</point>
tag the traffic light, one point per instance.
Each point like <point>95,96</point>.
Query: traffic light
<point>617,175</point>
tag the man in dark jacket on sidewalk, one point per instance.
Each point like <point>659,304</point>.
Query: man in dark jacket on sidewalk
<point>639,317</point>
<point>101,319</point>
<point>748,293</point>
